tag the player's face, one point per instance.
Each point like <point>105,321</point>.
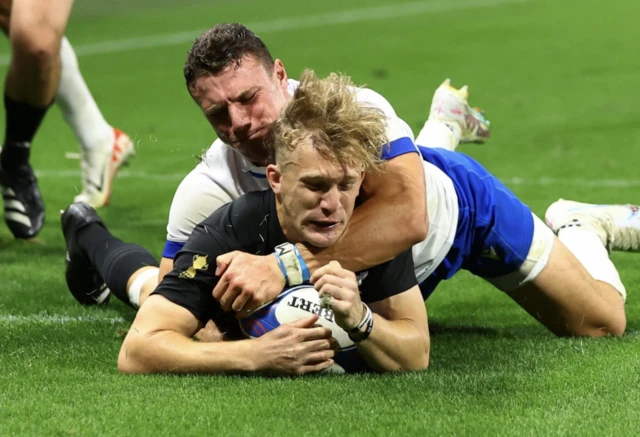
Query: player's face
<point>242,102</point>
<point>316,196</point>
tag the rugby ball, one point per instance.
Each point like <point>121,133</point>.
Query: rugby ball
<point>297,303</point>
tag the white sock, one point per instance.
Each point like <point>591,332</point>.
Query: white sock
<point>135,289</point>
<point>588,248</point>
<point>436,133</point>
<point>79,109</point>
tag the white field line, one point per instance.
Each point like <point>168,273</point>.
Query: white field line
<point>59,320</point>
<point>124,174</point>
<point>510,181</point>
<point>54,319</point>
<point>293,23</point>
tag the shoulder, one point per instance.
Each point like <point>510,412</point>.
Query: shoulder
<point>219,178</point>
<point>397,128</point>
<point>242,218</point>
<point>375,99</point>
<point>363,95</point>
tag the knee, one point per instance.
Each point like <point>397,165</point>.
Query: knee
<point>41,45</point>
<point>615,327</point>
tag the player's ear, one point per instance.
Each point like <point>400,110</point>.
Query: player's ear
<point>273,177</point>
<point>279,72</point>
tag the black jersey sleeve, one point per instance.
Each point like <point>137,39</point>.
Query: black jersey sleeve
<point>190,284</point>
<point>389,279</point>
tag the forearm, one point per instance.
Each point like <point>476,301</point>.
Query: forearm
<point>171,352</point>
<point>395,346</point>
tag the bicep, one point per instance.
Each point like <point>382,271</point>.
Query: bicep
<point>402,176</point>
<point>159,324</point>
<point>160,314</point>
<point>403,162</point>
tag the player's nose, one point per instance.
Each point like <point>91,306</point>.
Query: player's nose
<point>240,119</point>
<point>330,201</point>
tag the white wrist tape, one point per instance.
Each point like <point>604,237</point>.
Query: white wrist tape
<point>287,256</point>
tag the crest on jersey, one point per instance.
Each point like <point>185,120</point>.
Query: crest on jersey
<point>490,253</point>
<point>199,263</point>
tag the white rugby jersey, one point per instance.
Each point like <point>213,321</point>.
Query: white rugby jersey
<point>224,174</point>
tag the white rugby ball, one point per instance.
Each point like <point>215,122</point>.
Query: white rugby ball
<point>298,303</point>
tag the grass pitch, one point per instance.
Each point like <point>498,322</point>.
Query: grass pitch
<point>557,79</point>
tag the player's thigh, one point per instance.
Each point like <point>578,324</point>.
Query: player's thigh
<point>40,22</point>
<point>568,301</point>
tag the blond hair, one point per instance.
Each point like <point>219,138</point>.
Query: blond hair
<point>340,128</point>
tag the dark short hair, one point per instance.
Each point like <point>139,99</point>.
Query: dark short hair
<point>221,46</point>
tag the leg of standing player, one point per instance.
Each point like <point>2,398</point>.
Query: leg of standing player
<point>104,148</point>
<point>36,29</point>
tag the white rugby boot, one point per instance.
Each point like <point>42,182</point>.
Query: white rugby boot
<point>100,167</point>
<point>450,106</point>
<point>618,226</point>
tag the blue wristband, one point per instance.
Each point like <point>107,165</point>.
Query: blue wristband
<point>306,276</point>
<point>282,269</point>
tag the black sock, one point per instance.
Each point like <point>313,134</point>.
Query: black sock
<point>114,260</point>
<point>22,122</point>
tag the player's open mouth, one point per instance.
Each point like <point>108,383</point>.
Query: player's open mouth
<point>324,224</point>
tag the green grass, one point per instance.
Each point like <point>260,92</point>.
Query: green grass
<point>558,80</point>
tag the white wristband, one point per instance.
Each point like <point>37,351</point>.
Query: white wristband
<point>286,254</point>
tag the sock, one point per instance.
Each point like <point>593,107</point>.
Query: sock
<point>78,107</point>
<point>114,260</point>
<point>22,122</point>
<point>436,133</point>
<point>593,255</point>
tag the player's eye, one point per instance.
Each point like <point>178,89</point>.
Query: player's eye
<point>248,99</point>
<point>313,187</point>
<point>318,186</point>
<point>345,186</point>
<point>217,114</point>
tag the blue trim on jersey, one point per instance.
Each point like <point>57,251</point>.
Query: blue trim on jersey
<point>258,175</point>
<point>398,147</point>
<point>171,248</point>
